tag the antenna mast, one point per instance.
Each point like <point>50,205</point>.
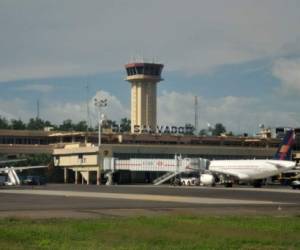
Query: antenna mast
<point>196,114</point>
<point>88,121</point>
<point>38,109</point>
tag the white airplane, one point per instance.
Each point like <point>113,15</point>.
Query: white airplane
<point>11,172</point>
<point>253,171</point>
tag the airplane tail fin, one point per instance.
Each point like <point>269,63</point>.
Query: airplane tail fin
<point>285,149</point>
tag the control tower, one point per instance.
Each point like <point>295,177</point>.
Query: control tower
<point>143,78</point>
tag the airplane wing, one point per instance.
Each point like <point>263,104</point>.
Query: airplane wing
<point>3,170</point>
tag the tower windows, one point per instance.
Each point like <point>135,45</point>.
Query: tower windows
<point>144,69</point>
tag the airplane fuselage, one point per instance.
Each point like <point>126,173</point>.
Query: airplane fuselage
<point>250,169</point>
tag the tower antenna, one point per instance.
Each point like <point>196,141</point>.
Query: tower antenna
<point>196,114</point>
<point>37,109</point>
<point>88,118</point>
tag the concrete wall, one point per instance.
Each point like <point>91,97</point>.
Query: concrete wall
<point>11,149</point>
<point>76,160</point>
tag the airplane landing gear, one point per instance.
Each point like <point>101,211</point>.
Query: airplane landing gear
<point>228,184</point>
<point>257,183</point>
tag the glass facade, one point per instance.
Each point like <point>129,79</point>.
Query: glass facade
<point>144,69</point>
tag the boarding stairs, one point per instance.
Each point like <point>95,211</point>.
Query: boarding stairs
<point>85,176</point>
<point>109,176</point>
<point>13,177</point>
<point>167,176</point>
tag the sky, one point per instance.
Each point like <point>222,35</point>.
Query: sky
<point>241,58</point>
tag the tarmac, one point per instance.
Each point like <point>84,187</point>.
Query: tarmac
<point>90,201</point>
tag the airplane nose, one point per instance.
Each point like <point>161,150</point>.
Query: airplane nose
<point>291,165</point>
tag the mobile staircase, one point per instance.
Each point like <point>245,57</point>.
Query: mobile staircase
<point>167,176</point>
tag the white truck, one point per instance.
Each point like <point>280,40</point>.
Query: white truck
<point>204,180</point>
<point>189,181</point>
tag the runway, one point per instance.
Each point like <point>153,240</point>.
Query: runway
<point>59,200</point>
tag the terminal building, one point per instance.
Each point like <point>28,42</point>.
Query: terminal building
<point>82,160</point>
<point>78,154</point>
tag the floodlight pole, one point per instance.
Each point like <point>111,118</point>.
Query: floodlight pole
<point>99,129</point>
<point>99,103</point>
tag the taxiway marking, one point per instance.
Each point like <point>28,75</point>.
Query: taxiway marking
<point>142,197</point>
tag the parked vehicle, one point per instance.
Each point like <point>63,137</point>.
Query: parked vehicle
<point>295,184</point>
<point>2,180</point>
<point>34,180</point>
<point>189,181</point>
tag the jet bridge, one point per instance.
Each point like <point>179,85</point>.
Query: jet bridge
<point>171,167</point>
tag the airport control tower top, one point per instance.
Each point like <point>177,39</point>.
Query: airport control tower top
<point>143,78</point>
<point>149,71</point>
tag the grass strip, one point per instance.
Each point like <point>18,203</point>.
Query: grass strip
<point>158,232</point>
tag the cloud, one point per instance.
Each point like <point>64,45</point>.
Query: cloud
<point>37,70</point>
<point>43,88</point>
<point>239,114</point>
<point>58,111</point>
<point>69,37</point>
<point>15,108</point>
<point>77,111</point>
<point>115,110</point>
<point>179,108</point>
<point>288,72</point>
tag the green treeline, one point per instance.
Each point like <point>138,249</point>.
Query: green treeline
<point>66,125</point>
<point>69,125</point>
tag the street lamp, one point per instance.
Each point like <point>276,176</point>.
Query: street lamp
<point>209,129</point>
<point>100,103</point>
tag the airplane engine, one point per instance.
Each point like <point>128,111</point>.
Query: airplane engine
<point>207,179</point>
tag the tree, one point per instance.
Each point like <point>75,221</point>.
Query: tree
<point>125,125</point>
<point>218,129</point>
<point>48,124</point>
<point>67,125</point>
<point>108,124</point>
<point>35,124</point>
<point>17,124</point>
<point>230,133</point>
<point>203,132</point>
<point>3,123</point>
<point>189,129</point>
<point>80,126</point>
